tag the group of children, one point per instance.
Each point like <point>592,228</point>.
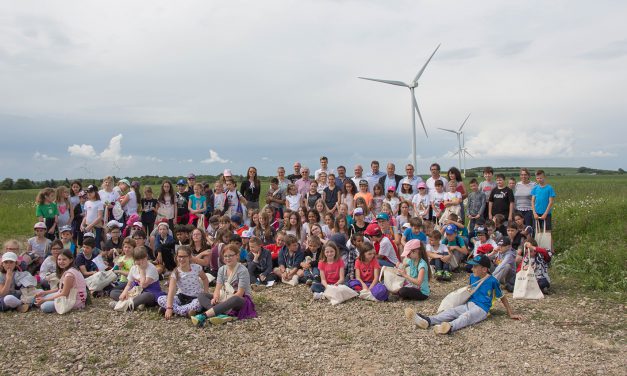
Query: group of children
<point>191,239</point>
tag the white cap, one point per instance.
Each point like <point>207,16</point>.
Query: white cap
<point>138,224</point>
<point>9,256</point>
<point>39,225</point>
<point>114,223</point>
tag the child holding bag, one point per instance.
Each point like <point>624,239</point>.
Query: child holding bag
<point>71,281</point>
<point>331,269</point>
<point>416,271</point>
<point>474,310</point>
<point>367,269</point>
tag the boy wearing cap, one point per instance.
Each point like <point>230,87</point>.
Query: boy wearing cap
<point>455,243</point>
<point>504,257</point>
<point>359,223</point>
<point>113,245</point>
<point>473,311</point>
<point>65,232</point>
<point>386,253</point>
<point>364,193</point>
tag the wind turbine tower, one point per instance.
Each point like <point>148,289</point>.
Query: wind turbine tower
<point>414,104</point>
<point>460,142</point>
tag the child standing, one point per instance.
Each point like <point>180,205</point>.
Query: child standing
<point>186,283</point>
<point>94,212</point>
<point>47,211</point>
<point>293,198</point>
<point>377,198</point>
<point>331,270</point>
<point>472,312</point>
<point>149,210</point>
<point>166,209</point>
<point>542,200</point>
<point>437,201</point>
<point>476,204</point>
<point>392,199</point>
<point>501,200</point>
<point>64,207</point>
<point>37,248</point>
<point>79,215</point>
<point>407,192</point>
<point>197,205</point>
<point>422,202</point>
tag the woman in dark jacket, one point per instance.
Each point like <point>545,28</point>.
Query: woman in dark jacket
<point>251,188</point>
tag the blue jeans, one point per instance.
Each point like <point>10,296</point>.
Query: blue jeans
<point>313,274</point>
<point>440,265</point>
<point>48,306</point>
<point>383,262</point>
<point>317,287</point>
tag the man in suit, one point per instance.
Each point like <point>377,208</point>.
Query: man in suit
<point>391,179</point>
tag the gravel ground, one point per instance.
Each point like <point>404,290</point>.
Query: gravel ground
<point>564,334</point>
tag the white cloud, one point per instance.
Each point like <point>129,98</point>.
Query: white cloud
<point>84,151</point>
<point>602,154</point>
<point>214,157</point>
<point>154,159</point>
<point>531,144</point>
<point>113,152</point>
<point>43,157</point>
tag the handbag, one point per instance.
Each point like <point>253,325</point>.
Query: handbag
<point>339,294</point>
<point>367,295</point>
<point>392,281</point>
<point>117,211</point>
<point>526,285</point>
<point>460,296</point>
<point>201,222</point>
<point>379,292</point>
<point>227,290</point>
<point>542,237</point>
<point>128,304</point>
<point>64,304</point>
<point>100,280</point>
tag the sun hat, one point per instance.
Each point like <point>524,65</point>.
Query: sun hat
<point>39,225</point>
<point>9,256</point>
<point>124,181</point>
<point>227,172</point>
<point>410,246</point>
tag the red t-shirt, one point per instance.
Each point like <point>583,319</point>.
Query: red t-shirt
<point>274,250</point>
<point>366,271</point>
<point>331,271</point>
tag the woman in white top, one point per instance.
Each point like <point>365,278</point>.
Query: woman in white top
<point>94,212</point>
<point>108,196</point>
<point>522,196</point>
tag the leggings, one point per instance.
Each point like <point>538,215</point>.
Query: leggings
<point>177,307</point>
<point>9,302</point>
<point>411,293</point>
<point>232,303</point>
<point>146,298</point>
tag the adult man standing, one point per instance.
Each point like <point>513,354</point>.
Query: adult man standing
<point>391,179</point>
<point>413,180</point>
<point>296,175</point>
<point>341,177</point>
<point>302,184</point>
<point>324,167</point>
<point>359,171</point>
<point>435,175</point>
<point>374,175</point>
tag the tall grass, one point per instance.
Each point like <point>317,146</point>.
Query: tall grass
<point>591,231</point>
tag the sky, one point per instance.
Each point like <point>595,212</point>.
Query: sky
<point>92,88</point>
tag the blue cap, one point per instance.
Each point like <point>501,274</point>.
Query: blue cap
<point>450,229</point>
<point>383,216</point>
<point>181,182</point>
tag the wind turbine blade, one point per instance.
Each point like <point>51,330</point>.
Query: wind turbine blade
<point>454,154</point>
<point>464,123</point>
<point>397,83</point>
<point>448,130</point>
<point>468,154</point>
<point>419,115</point>
<point>425,66</point>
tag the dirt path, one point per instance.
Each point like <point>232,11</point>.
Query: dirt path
<point>564,334</point>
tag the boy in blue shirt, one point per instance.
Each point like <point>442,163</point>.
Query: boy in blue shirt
<point>473,311</point>
<point>542,199</point>
<point>455,243</point>
<point>414,232</point>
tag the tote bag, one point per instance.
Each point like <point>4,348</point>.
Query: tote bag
<point>460,296</point>
<point>339,294</point>
<point>542,237</point>
<point>64,304</point>
<point>392,281</point>
<point>100,280</point>
<point>526,285</point>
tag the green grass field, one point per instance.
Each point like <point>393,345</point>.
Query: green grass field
<point>590,221</point>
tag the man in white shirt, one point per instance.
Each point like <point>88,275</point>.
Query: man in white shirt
<point>435,175</point>
<point>359,170</point>
<point>324,163</point>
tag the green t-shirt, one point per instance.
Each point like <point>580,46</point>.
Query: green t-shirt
<point>127,264</point>
<point>47,210</point>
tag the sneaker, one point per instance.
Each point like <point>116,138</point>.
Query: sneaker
<point>23,308</point>
<point>199,320</point>
<point>192,313</point>
<point>446,276</point>
<point>546,291</point>
<point>421,321</point>
<point>221,319</point>
<point>140,307</point>
<point>444,328</point>
<point>438,275</point>
<point>112,304</point>
<point>309,282</point>
<point>318,295</point>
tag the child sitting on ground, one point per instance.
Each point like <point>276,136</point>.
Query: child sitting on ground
<point>331,270</point>
<point>472,312</point>
<point>290,258</point>
<point>438,253</point>
<point>310,272</point>
<point>542,258</point>
<point>504,258</point>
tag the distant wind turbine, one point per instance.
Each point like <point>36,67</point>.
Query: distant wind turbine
<point>460,145</point>
<point>414,104</point>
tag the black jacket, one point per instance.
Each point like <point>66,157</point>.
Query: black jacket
<point>398,178</point>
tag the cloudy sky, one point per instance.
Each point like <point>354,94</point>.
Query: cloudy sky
<point>160,87</point>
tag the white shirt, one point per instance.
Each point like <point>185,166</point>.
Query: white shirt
<point>151,272</point>
<point>91,211</point>
<point>318,171</point>
<point>293,201</point>
<point>108,196</point>
<point>386,249</point>
<point>131,204</point>
<point>431,183</point>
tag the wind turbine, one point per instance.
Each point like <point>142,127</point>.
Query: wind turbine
<point>460,145</point>
<point>414,104</point>
<point>464,151</point>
